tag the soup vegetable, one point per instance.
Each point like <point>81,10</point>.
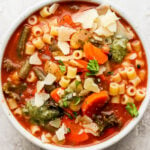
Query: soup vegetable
<point>74,73</point>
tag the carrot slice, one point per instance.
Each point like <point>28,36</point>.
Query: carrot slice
<point>84,64</point>
<point>54,94</point>
<point>67,19</point>
<point>74,137</point>
<point>92,52</point>
<point>88,50</point>
<point>93,102</point>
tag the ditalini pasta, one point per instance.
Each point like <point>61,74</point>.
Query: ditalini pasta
<point>140,94</point>
<point>115,99</point>
<point>131,91</point>
<point>71,73</point>
<point>131,73</point>
<point>35,130</point>
<point>30,48</point>
<point>37,31</point>
<point>78,54</point>
<point>73,70</point>
<point>33,20</point>
<point>116,77</point>
<point>114,89</point>
<point>38,43</point>
<point>126,99</point>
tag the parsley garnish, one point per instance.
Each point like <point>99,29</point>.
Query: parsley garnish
<point>61,62</point>
<point>93,67</point>
<point>62,68</point>
<point>110,73</point>
<point>77,83</point>
<point>69,115</point>
<point>65,104</point>
<point>132,110</point>
<point>75,114</point>
<point>77,100</point>
<point>68,130</point>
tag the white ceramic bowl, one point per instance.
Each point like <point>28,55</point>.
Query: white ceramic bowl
<point>33,139</point>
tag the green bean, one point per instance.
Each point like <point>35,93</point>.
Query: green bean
<point>23,73</point>
<point>49,88</point>
<point>22,41</point>
<point>39,73</point>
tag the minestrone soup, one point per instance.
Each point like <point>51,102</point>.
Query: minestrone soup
<point>74,73</point>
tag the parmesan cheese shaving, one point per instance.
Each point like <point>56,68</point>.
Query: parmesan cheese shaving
<point>102,69</point>
<point>39,86</point>
<point>123,32</point>
<point>40,98</point>
<point>92,126</point>
<point>35,60</point>
<point>101,31</point>
<point>64,47</point>
<point>49,79</point>
<point>91,132</point>
<point>64,33</point>
<point>60,133</point>
<point>112,27</point>
<point>53,8</point>
<point>86,18</point>
<point>44,139</point>
<point>109,18</point>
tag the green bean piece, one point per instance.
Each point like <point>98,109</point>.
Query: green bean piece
<point>23,73</point>
<point>22,41</point>
<point>39,73</point>
<point>49,88</point>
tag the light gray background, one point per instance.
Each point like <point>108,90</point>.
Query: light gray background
<point>139,138</point>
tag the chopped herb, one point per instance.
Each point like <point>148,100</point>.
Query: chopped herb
<point>65,104</point>
<point>110,73</point>
<point>138,66</point>
<point>77,83</point>
<point>93,67</point>
<point>69,115</point>
<point>90,74</point>
<point>75,114</point>
<point>62,68</point>
<point>68,130</point>
<point>132,110</point>
<point>40,51</point>
<point>77,100</point>
<point>61,62</point>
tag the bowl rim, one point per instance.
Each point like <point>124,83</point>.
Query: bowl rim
<point>99,146</point>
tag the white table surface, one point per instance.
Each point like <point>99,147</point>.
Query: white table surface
<point>139,138</point>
